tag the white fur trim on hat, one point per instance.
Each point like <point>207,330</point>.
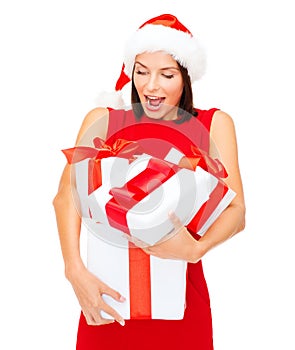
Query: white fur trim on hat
<point>112,99</point>
<point>183,47</point>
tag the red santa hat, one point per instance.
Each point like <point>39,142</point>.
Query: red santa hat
<point>161,33</point>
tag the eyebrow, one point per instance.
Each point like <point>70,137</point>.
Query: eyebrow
<point>164,68</point>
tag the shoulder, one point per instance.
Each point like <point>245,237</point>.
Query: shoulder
<point>95,123</point>
<point>94,115</point>
<point>222,134</point>
<point>221,122</point>
<point>220,116</point>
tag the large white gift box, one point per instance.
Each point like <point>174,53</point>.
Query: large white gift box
<point>154,288</point>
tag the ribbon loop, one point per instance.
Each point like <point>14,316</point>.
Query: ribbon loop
<point>120,148</point>
<point>101,149</point>
<point>203,160</point>
<point>157,172</point>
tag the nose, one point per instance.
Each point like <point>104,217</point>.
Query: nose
<point>153,83</point>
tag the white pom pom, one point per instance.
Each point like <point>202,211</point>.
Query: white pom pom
<point>110,99</point>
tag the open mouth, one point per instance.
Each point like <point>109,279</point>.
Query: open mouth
<point>154,103</point>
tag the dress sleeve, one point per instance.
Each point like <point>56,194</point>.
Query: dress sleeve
<point>206,117</point>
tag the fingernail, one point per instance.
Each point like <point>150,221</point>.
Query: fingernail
<point>122,298</point>
<point>122,322</point>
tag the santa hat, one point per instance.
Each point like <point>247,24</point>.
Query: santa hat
<point>162,33</point>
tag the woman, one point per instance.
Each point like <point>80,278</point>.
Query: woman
<point>162,59</point>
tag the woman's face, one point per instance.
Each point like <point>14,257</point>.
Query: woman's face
<point>159,84</point>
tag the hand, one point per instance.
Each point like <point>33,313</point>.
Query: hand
<point>89,290</point>
<point>180,245</point>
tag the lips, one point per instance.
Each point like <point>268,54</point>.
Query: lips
<point>154,102</point>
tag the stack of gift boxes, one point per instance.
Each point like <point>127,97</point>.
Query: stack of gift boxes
<point>126,194</point>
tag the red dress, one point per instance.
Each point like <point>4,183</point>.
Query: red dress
<point>194,331</point>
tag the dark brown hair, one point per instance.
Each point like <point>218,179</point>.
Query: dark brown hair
<point>185,110</point>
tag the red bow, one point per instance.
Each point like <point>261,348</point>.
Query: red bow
<point>203,160</point>
<point>101,149</point>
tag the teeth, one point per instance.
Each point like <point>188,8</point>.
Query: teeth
<point>153,102</point>
<point>153,97</point>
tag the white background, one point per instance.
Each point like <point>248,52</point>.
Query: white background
<point>55,58</point>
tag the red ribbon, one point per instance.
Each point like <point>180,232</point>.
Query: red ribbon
<point>157,172</point>
<point>124,198</point>
<point>214,167</point>
<point>139,284</point>
<point>208,207</point>
<point>203,160</point>
<point>101,149</point>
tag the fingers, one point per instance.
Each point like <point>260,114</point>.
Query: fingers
<point>118,297</point>
<point>178,225</point>
<point>100,313</point>
<point>175,221</point>
<point>94,318</point>
<point>136,241</point>
<point>112,293</point>
<point>114,314</point>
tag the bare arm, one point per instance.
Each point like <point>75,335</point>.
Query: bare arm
<point>232,219</point>
<point>87,287</point>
